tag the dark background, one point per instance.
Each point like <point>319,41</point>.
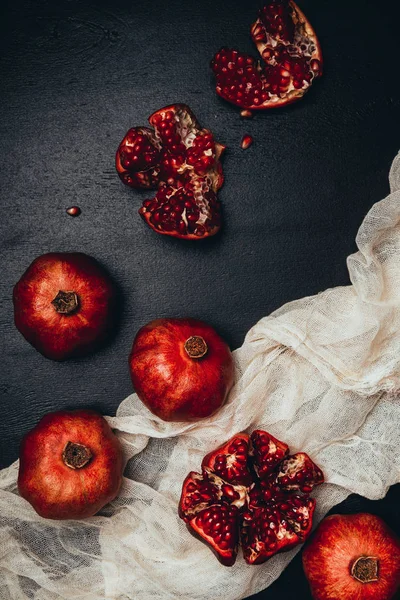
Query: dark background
<point>75,75</point>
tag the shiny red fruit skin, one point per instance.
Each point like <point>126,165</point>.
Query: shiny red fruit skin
<point>172,385</point>
<point>59,336</point>
<point>337,543</point>
<point>55,490</point>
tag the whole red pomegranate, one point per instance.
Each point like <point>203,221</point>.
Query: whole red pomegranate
<point>251,491</point>
<point>180,159</point>
<point>353,557</point>
<point>64,304</point>
<point>70,465</point>
<point>181,369</point>
<point>291,52</point>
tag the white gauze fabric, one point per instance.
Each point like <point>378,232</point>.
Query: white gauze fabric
<point>321,373</point>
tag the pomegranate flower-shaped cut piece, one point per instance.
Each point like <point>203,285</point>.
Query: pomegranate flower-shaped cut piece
<point>240,495</point>
<point>292,59</point>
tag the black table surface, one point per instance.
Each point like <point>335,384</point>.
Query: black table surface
<point>76,74</point>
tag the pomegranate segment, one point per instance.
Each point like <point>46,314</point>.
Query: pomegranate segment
<point>265,532</point>
<point>182,160</point>
<point>229,461</point>
<point>197,493</point>
<point>267,452</point>
<point>217,527</point>
<point>291,53</point>
<point>298,472</point>
<point>242,486</point>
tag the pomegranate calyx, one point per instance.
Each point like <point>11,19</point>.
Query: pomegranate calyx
<point>365,569</point>
<point>196,347</point>
<point>66,303</point>
<point>76,456</point>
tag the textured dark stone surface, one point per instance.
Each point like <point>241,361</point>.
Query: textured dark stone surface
<point>76,75</point>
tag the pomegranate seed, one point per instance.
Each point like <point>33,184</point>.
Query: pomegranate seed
<point>246,142</point>
<point>246,114</point>
<point>74,211</point>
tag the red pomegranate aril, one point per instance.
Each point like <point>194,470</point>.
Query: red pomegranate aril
<point>74,211</point>
<point>246,142</point>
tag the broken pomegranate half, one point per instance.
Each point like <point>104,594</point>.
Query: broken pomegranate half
<point>292,59</point>
<point>181,161</point>
<point>243,495</point>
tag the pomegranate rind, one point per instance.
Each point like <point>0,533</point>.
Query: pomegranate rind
<point>293,95</point>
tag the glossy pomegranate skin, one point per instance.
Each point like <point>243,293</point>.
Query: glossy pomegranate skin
<point>174,386</point>
<point>291,60</point>
<point>57,335</point>
<point>57,491</point>
<point>334,547</point>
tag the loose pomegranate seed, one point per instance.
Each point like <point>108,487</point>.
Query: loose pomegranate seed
<point>247,141</point>
<point>74,211</point>
<point>246,114</point>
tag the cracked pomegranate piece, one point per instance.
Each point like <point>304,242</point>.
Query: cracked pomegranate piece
<point>291,52</point>
<point>182,160</point>
<point>241,494</point>
<point>298,472</point>
<point>267,452</point>
<point>217,526</point>
<point>229,461</point>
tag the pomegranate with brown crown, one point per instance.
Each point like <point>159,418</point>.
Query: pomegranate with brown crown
<point>353,557</point>
<point>70,465</point>
<point>181,369</point>
<point>64,304</point>
<point>251,491</point>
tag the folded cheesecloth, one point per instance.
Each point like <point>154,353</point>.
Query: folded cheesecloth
<point>321,373</point>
